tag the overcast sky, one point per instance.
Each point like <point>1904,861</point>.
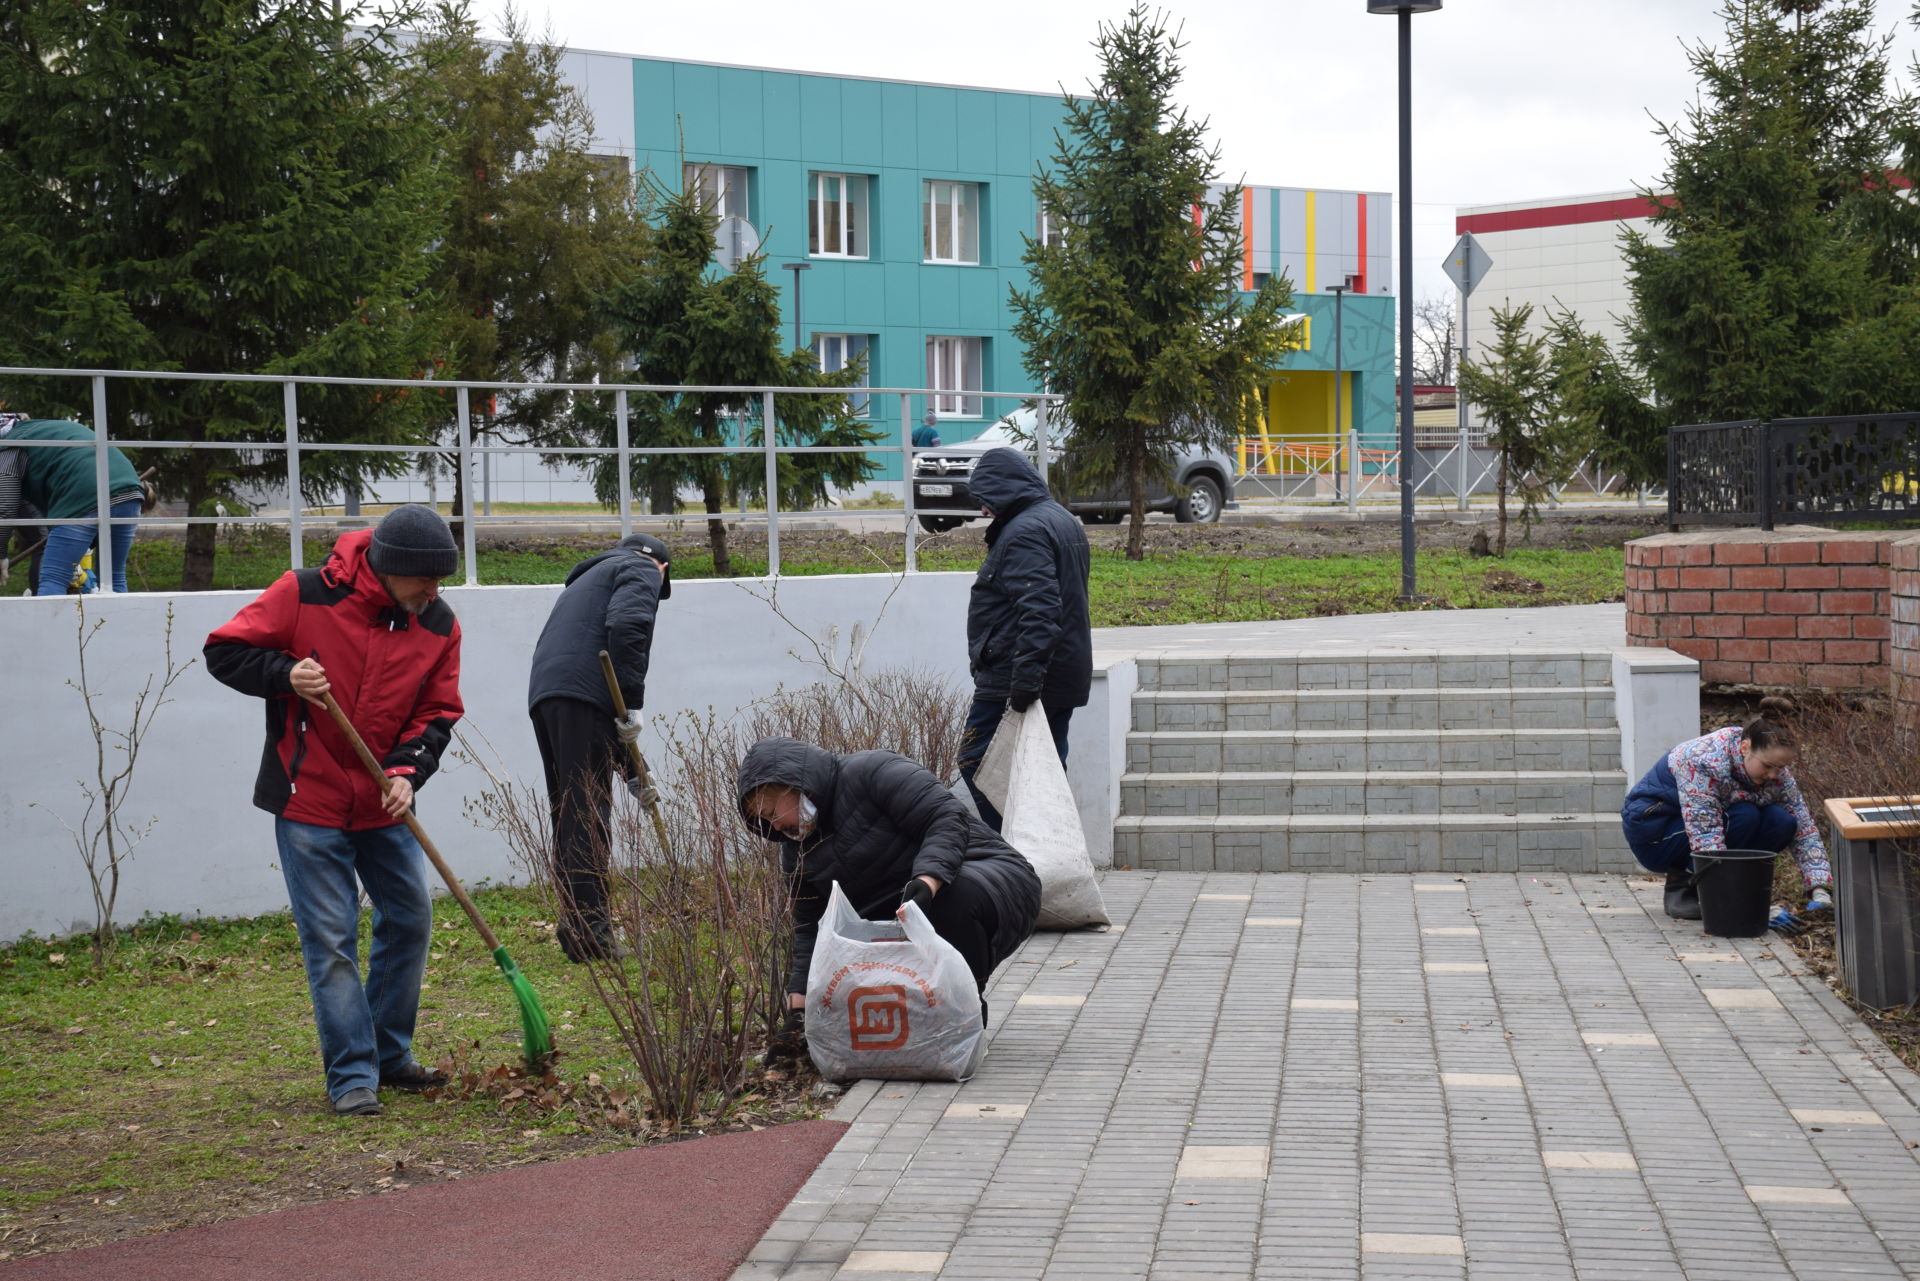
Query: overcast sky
<point>1513,99</point>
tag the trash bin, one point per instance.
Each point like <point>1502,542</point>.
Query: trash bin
<point>1876,875</point>
<point>1736,891</point>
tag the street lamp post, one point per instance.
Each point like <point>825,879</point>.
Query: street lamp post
<point>1339,293</point>
<point>796,268</point>
<point>1404,10</point>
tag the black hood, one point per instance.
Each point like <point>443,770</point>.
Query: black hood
<point>591,561</point>
<point>1004,482</point>
<point>791,763</point>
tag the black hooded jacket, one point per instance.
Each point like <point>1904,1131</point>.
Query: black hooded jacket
<point>608,603</point>
<point>882,821</point>
<point>1027,621</point>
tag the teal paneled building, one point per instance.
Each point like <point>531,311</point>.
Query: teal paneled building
<point>907,205</point>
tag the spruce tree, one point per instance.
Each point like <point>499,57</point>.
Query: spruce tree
<point>1134,314</point>
<point>1778,281</point>
<point>220,186</point>
<point>1605,403</point>
<point>1514,388</point>
<point>539,226</point>
<point>684,321</point>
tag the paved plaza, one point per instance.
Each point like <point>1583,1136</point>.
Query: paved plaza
<point>1352,1076</point>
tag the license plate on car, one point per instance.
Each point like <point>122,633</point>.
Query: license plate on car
<point>937,491</point>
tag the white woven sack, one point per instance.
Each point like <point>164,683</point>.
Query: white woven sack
<point>1022,775</point>
<point>890,1000</point>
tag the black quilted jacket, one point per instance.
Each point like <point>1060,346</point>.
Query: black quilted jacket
<point>608,603</point>
<point>883,820</point>
<point>1027,622</point>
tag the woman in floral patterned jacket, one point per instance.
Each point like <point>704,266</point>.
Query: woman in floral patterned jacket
<point>1731,789</point>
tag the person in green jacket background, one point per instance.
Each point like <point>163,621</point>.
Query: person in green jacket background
<point>59,482</point>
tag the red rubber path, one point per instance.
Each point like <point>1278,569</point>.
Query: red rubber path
<point>672,1212</point>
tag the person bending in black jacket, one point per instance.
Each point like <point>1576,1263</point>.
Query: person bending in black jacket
<point>1029,635</point>
<point>890,833</point>
<point>608,603</point>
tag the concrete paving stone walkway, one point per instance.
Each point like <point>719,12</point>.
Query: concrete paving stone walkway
<point>1345,1077</point>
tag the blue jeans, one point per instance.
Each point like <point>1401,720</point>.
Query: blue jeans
<point>1659,839</point>
<point>365,1030</point>
<point>66,544</point>
<point>983,718</point>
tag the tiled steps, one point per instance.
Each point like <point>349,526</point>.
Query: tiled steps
<point>1331,792</point>
<point>1466,762</point>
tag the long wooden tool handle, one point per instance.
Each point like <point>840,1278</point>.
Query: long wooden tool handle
<point>633,749</point>
<point>413,824</point>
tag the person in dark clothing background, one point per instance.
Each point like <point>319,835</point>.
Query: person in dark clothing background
<point>890,833</point>
<point>1029,635</point>
<point>609,603</point>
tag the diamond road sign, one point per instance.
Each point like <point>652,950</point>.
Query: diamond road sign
<point>1467,264</point>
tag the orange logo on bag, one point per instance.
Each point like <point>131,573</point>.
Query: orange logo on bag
<point>877,1017</point>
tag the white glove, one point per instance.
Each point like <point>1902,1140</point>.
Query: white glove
<point>643,794</point>
<point>628,729</point>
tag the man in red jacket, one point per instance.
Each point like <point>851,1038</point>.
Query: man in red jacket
<point>368,626</point>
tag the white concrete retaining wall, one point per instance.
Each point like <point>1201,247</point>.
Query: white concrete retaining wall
<point>1656,698</point>
<point>211,853</point>
<point>1097,753</point>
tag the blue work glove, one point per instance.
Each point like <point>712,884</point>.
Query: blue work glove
<point>1782,920</point>
<point>1819,902</point>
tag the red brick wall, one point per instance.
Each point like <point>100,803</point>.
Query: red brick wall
<point>1792,607</point>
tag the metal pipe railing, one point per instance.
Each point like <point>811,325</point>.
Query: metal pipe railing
<point>464,450</point>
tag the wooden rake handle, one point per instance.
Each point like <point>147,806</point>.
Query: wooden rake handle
<point>633,749</point>
<point>413,824</point>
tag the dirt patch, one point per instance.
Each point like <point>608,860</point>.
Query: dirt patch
<point>1302,539</point>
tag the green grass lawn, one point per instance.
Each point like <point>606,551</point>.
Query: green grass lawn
<point>183,1081</point>
<point>1168,587</point>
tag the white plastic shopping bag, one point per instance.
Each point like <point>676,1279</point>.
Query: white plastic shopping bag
<point>1022,775</point>
<point>890,1000</point>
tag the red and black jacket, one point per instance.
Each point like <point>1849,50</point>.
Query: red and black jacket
<point>395,675</point>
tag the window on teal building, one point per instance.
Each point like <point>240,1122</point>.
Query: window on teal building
<point>835,352</point>
<point>954,372</point>
<point>1048,232</point>
<point>723,188</point>
<point>951,221</point>
<point>837,215</point>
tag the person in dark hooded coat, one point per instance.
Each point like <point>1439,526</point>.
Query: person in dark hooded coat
<point>1029,634</point>
<point>609,603</point>
<point>890,833</point>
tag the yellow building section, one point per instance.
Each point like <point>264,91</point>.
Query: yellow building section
<point>1299,434</point>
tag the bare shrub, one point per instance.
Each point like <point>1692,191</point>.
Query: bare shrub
<point>705,919</point>
<point>912,713</point>
<point>104,836</point>
<point>1852,748</point>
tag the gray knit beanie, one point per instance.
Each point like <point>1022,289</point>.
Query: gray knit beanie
<point>413,542</point>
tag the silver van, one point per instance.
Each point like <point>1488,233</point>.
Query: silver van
<point>941,498</point>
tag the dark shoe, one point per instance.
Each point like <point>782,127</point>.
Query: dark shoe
<point>599,945</point>
<point>413,1077</point>
<point>1683,900</point>
<point>357,1102</point>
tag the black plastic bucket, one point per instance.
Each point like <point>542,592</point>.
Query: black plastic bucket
<point>1736,891</point>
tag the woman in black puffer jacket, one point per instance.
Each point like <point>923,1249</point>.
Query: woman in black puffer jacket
<point>890,833</point>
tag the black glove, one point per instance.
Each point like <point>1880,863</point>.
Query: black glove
<point>916,891</point>
<point>789,1044</point>
<point>1021,699</point>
